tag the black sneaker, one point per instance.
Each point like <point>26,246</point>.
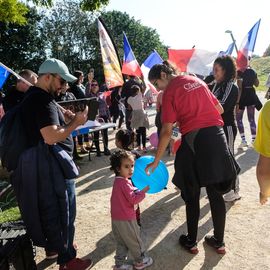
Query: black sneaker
<point>214,243</point>
<point>98,154</point>
<point>189,245</point>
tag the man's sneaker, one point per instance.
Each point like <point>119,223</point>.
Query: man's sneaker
<point>231,196</point>
<point>51,255</point>
<point>214,243</point>
<point>188,245</point>
<point>147,261</point>
<point>123,267</point>
<point>77,264</point>
<point>242,145</point>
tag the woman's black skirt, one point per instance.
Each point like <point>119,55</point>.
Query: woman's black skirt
<point>204,159</point>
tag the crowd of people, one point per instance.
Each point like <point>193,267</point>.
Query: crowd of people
<point>207,114</point>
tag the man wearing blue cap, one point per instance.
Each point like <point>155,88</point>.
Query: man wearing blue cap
<point>44,121</point>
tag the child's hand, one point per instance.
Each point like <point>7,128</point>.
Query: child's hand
<point>146,189</point>
<point>263,199</point>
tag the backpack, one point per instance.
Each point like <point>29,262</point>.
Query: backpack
<point>13,139</point>
<point>16,248</point>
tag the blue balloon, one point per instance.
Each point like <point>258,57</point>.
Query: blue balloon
<point>157,180</point>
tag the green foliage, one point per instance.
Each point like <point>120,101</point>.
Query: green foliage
<point>262,67</point>
<point>11,214</point>
<point>86,5</point>
<point>72,36</point>
<point>45,3</point>
<point>92,5</point>
<point>12,11</point>
<point>22,46</point>
<point>142,39</point>
<point>8,204</point>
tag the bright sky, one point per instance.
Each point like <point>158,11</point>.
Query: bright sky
<point>182,24</point>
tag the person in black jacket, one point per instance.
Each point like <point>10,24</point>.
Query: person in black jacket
<point>78,90</point>
<point>248,100</point>
<point>45,122</point>
<point>15,94</point>
<point>227,92</point>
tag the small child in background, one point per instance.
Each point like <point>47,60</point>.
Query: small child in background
<point>125,139</point>
<point>124,226</point>
<point>139,118</point>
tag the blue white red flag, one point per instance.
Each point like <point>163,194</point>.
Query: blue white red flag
<point>130,65</point>
<point>247,46</point>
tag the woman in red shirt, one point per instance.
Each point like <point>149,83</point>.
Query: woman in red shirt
<point>204,159</point>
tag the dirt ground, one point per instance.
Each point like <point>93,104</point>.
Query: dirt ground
<point>247,233</point>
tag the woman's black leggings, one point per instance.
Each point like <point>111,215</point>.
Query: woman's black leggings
<point>141,136</point>
<point>218,211</point>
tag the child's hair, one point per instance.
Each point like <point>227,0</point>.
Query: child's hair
<point>126,137</point>
<point>116,159</point>
<point>135,89</point>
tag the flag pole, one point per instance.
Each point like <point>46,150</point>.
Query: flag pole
<point>15,74</point>
<point>25,81</point>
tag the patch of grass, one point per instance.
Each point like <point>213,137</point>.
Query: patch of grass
<point>8,203</point>
<point>11,214</point>
<point>262,66</point>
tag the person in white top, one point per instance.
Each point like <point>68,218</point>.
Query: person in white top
<point>139,119</point>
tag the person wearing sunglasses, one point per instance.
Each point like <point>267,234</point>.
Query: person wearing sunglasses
<point>104,114</point>
<point>44,121</point>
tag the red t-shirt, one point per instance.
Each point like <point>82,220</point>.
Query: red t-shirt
<point>188,101</point>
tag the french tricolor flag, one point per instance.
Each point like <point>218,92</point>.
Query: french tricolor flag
<point>195,61</point>
<point>247,46</point>
<point>130,65</point>
<point>153,59</point>
<point>229,51</point>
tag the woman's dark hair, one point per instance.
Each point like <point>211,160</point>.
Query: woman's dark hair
<point>155,71</point>
<point>77,74</point>
<point>116,159</point>
<point>126,137</point>
<point>228,64</point>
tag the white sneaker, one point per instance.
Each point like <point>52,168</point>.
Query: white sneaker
<point>147,261</point>
<point>231,196</point>
<point>123,267</point>
<point>243,145</point>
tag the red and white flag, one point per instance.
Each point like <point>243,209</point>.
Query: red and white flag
<point>195,61</point>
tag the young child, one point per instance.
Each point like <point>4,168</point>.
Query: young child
<point>139,119</point>
<point>124,226</point>
<point>124,139</point>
